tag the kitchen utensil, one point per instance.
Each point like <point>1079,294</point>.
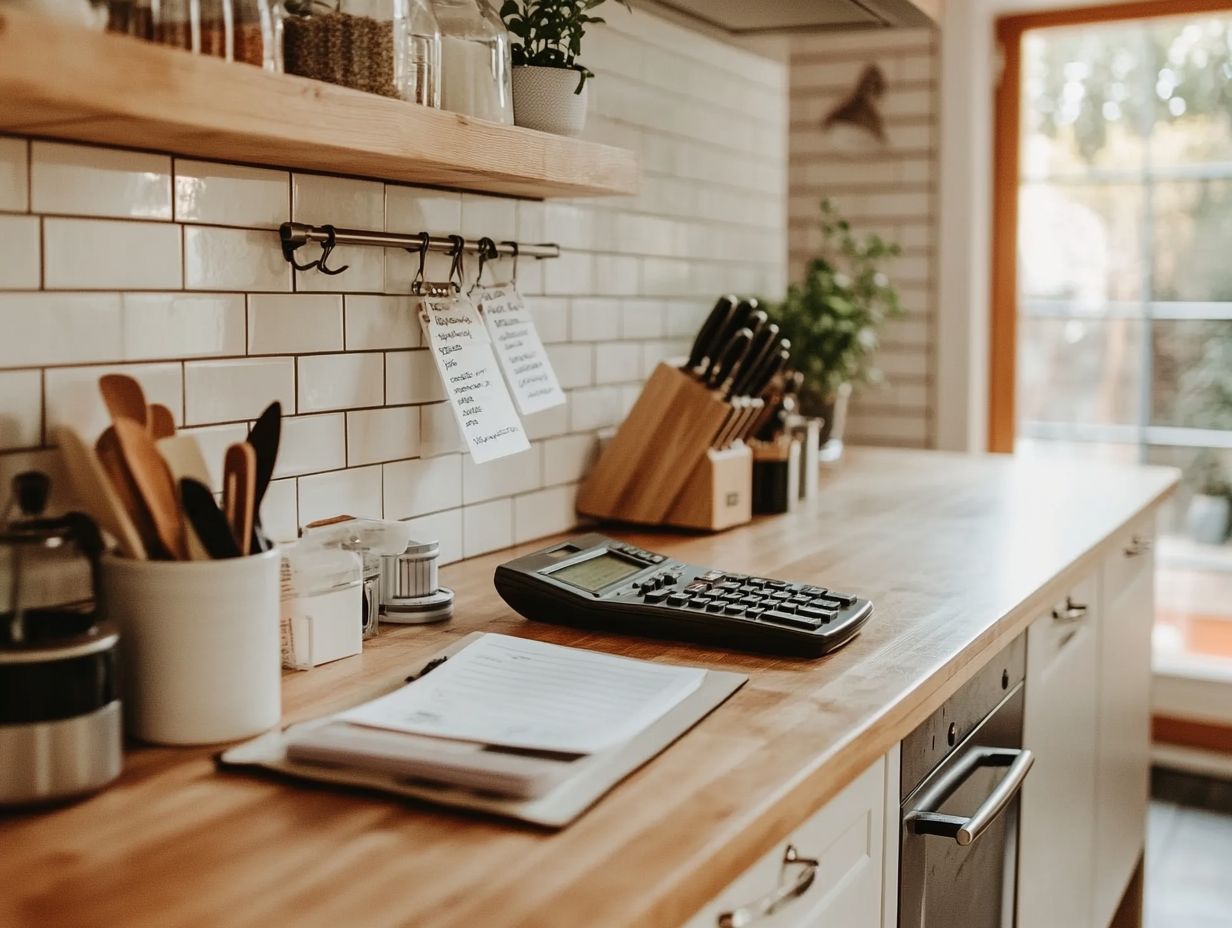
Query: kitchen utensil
<point>239,477</point>
<point>265,436</point>
<point>154,484</point>
<point>720,374</point>
<point>111,458</point>
<point>124,398</point>
<point>206,520</point>
<point>96,492</point>
<point>765,344</point>
<point>736,320</point>
<point>161,421</point>
<point>184,458</point>
<point>714,324</point>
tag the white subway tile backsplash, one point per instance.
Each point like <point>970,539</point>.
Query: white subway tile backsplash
<point>224,391</point>
<point>593,320</point>
<point>413,488</point>
<point>59,328</point>
<point>72,397</point>
<point>20,261</point>
<point>365,271</point>
<point>381,323</point>
<point>411,210</point>
<point>439,433</point>
<point>374,436</point>
<point>355,492</point>
<point>444,528</point>
<point>82,254</point>
<point>618,362</point>
<point>516,473</point>
<point>566,459</point>
<point>641,319</point>
<point>14,175</point>
<point>532,224</point>
<point>546,512</point>
<point>341,381</point>
<point>21,409</point>
<point>231,195</point>
<point>572,274</point>
<point>551,317</point>
<point>595,408</point>
<point>234,259</point>
<point>547,422</point>
<point>182,325</point>
<point>81,180</point>
<point>495,217</point>
<point>345,202</point>
<point>574,364</point>
<point>311,444</point>
<point>411,377</point>
<point>487,527</point>
<point>294,323</point>
<point>280,511</point>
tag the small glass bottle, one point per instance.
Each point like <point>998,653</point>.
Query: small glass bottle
<point>475,61</point>
<point>421,79</point>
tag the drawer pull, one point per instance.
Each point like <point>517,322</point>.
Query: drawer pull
<point>1138,546</point>
<point>1073,612</point>
<point>791,886</point>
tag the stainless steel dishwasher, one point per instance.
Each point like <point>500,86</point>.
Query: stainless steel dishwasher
<point>962,770</point>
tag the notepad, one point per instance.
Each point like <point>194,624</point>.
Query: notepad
<point>525,694</point>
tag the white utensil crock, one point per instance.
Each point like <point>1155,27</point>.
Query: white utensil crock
<point>544,99</point>
<point>200,659</point>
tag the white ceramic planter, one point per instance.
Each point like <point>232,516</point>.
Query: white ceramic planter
<point>1207,519</point>
<point>543,99</point>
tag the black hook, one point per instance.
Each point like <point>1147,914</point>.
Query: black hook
<point>331,234</point>
<point>424,241</point>
<point>456,268</point>
<point>513,246</point>
<point>487,252</point>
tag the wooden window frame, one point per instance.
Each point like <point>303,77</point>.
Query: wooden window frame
<point>1007,120</point>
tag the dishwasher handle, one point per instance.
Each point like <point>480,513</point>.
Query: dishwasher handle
<point>965,831</point>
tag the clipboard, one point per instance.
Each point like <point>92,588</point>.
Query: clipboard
<point>588,780</point>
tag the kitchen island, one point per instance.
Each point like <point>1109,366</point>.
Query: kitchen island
<point>960,555</point>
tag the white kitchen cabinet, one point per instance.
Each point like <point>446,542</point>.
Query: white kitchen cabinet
<point>1124,719</point>
<point>830,872</point>
<point>1056,863</point>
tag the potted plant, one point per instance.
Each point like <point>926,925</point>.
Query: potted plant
<point>833,316</point>
<point>549,83</point>
<point>1210,511</point>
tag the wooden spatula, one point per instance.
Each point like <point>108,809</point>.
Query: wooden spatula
<point>94,489</point>
<point>239,478</point>
<point>124,398</point>
<point>111,458</point>
<point>161,421</point>
<point>154,483</point>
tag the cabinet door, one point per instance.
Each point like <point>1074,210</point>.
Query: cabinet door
<point>1056,864</point>
<point>1124,723</point>
<point>827,873</point>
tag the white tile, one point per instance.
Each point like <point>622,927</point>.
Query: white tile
<point>516,473</point>
<point>21,409</point>
<point>311,444</point>
<point>225,391</point>
<point>231,194</point>
<point>365,270</point>
<point>413,488</point>
<point>595,408</point>
<point>487,527</point>
<point>551,317</point>
<point>402,267</point>
<point>20,263</point>
<point>445,528</point>
<point>233,259</point>
<point>618,362</point>
<point>182,325</point>
<point>377,435</point>
<point>214,440</point>
<point>566,459</point>
<point>82,180</point>
<point>594,320</point>
<point>381,323</point>
<point>59,328</point>
<point>294,323</point>
<point>574,364</point>
<point>280,511</point>
<point>14,174</point>
<point>569,275</point>
<point>341,381</point>
<point>411,377</point>
<point>72,396</point>
<point>641,319</point>
<point>495,217</point>
<point>338,201</point>
<point>616,275</point>
<point>411,210</point>
<point>354,492</point>
<point>439,433</point>
<point>531,221</point>
<point>81,254</point>
<point>546,512</point>
<point>548,422</point>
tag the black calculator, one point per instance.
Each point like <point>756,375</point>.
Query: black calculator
<point>595,582</point>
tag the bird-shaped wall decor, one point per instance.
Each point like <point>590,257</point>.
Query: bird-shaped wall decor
<point>860,109</point>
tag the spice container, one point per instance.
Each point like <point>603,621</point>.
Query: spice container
<point>201,26</point>
<point>475,61</point>
<point>132,17</point>
<point>257,36</point>
<point>355,43</point>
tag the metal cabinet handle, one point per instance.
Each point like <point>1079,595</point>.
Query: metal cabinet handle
<point>1073,612</point>
<point>1138,546</point>
<point>967,830</point>
<point>789,888</point>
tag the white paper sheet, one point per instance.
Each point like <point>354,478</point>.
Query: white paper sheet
<point>480,400</point>
<point>526,694</point>
<point>525,363</point>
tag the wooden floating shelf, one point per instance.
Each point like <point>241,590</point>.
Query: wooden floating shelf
<point>68,83</point>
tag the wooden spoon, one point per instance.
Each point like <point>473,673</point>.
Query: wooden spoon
<point>94,489</point>
<point>154,483</point>
<point>124,398</point>
<point>111,458</point>
<point>161,421</point>
<point>239,479</point>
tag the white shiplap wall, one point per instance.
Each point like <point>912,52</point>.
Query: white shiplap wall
<point>889,189</point>
<point>170,269</point>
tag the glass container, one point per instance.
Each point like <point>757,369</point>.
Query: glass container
<point>422,62</point>
<point>359,44</point>
<point>475,61</point>
<point>202,26</point>
<point>257,36</point>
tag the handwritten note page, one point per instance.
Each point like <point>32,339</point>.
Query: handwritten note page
<point>480,400</point>
<point>518,348</point>
<point>527,694</point>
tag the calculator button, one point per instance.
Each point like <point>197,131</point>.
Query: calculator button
<point>696,587</point>
<point>776,584</point>
<point>755,611</point>
<point>670,579</point>
<point>698,602</point>
<point>658,558</point>
<point>830,602</point>
<point>750,600</point>
<point>782,606</point>
<point>734,609</point>
<point>677,599</point>
<point>826,615</point>
<point>729,585</point>
<point>656,596</point>
<point>815,590</point>
<point>712,576</point>
<point>715,605</point>
<point>843,599</point>
<point>783,618</point>
<point>781,595</point>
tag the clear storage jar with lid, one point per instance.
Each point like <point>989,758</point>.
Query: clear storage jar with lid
<point>205,27</point>
<point>475,60</point>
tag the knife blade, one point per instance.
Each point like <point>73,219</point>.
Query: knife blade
<point>706,335</point>
<point>720,373</point>
<point>765,345</point>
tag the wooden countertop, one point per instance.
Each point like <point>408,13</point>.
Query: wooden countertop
<point>957,553</point>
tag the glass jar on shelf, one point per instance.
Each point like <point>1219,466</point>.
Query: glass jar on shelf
<point>421,81</point>
<point>257,35</point>
<point>201,26</point>
<point>132,17</point>
<point>359,44</point>
<point>475,60</point>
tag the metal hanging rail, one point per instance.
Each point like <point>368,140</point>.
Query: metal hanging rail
<point>295,234</point>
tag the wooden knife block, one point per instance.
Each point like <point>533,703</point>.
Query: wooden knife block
<point>660,468</point>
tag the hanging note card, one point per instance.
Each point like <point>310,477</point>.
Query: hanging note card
<point>518,348</point>
<point>464,357</point>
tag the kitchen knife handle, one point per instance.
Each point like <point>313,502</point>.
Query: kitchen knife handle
<point>765,345</point>
<point>710,328</point>
<point>736,320</point>
<point>720,373</point>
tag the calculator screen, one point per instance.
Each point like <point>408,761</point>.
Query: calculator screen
<point>595,573</point>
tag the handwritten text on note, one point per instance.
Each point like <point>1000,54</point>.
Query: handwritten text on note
<point>525,363</point>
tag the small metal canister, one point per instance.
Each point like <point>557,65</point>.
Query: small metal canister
<point>410,594</point>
